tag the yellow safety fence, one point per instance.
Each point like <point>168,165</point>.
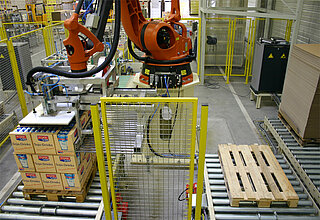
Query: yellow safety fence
<point>234,37</point>
<point>153,176</point>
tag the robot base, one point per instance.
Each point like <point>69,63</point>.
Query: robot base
<point>163,76</point>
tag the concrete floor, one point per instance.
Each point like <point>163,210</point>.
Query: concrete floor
<point>227,122</point>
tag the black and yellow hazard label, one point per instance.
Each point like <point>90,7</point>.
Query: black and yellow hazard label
<point>147,71</point>
<point>283,56</point>
<point>1,56</point>
<point>183,72</point>
<point>270,56</point>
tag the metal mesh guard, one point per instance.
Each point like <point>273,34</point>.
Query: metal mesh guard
<point>151,143</point>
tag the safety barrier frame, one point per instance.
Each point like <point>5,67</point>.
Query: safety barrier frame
<point>101,157</point>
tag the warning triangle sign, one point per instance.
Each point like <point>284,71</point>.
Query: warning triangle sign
<point>270,56</point>
<point>283,56</point>
<point>1,56</point>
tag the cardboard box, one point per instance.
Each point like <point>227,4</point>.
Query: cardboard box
<point>75,181</point>
<point>300,101</point>
<point>43,142</point>
<point>24,162</point>
<point>51,181</point>
<point>67,163</point>
<point>64,141</point>
<point>21,141</point>
<point>44,163</point>
<point>85,117</point>
<point>31,180</point>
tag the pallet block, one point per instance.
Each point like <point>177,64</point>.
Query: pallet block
<point>54,195</point>
<point>252,173</point>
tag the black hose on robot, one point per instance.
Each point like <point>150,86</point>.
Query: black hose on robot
<point>188,58</point>
<point>90,72</point>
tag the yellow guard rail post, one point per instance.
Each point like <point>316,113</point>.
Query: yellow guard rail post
<point>100,158</point>
<point>201,161</point>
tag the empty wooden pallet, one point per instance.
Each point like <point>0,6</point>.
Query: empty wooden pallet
<point>252,173</point>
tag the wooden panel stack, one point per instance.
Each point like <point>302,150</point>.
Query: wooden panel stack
<point>253,174</point>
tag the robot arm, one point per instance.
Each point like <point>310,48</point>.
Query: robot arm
<point>160,40</point>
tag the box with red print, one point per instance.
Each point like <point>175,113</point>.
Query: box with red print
<point>44,163</point>
<point>43,140</point>
<point>51,181</point>
<point>31,180</point>
<point>68,163</point>
<point>21,140</point>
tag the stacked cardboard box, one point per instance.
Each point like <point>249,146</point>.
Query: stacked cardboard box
<point>300,102</point>
<point>46,157</point>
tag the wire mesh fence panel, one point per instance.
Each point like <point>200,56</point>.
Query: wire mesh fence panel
<point>57,54</point>
<point>8,91</point>
<point>152,145</point>
<point>33,48</point>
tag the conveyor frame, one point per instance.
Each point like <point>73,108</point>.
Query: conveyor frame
<point>291,149</point>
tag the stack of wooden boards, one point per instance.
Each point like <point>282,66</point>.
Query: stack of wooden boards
<point>47,159</point>
<point>300,101</point>
<point>253,174</point>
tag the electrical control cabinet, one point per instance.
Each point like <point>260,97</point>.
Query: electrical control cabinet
<point>269,66</point>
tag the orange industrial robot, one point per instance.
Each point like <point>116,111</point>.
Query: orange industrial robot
<point>168,50</point>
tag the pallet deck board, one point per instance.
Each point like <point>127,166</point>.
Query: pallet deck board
<point>252,173</point>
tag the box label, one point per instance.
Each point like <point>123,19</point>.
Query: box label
<point>51,176</point>
<point>43,138</point>
<point>31,175</point>
<point>21,137</point>
<point>65,159</point>
<point>43,158</point>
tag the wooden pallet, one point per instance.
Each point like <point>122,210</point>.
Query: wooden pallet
<point>253,174</point>
<point>289,125</point>
<point>56,195</point>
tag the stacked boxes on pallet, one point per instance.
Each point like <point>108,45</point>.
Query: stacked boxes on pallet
<point>46,157</point>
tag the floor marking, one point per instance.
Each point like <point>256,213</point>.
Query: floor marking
<point>38,53</point>
<point>243,110</point>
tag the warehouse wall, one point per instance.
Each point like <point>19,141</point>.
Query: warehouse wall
<point>309,31</point>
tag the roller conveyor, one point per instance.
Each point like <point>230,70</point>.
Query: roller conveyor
<point>16,207</point>
<point>219,206</point>
<point>304,159</point>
